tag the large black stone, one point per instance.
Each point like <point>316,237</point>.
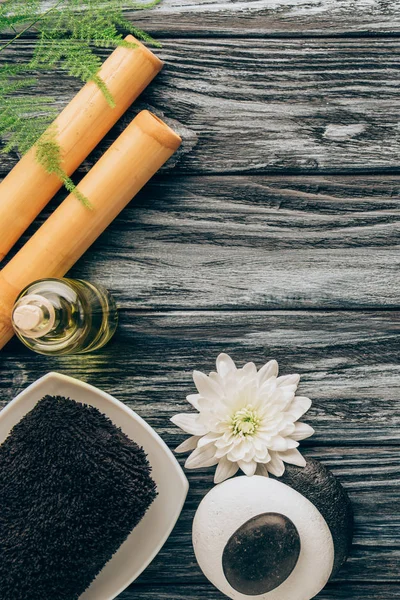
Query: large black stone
<point>321,487</point>
<point>261,554</point>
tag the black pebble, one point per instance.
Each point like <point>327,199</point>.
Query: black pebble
<point>316,483</point>
<point>261,554</point>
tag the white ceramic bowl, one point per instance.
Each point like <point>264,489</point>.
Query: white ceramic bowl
<point>147,539</point>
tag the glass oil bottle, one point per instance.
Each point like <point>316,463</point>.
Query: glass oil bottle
<point>64,316</point>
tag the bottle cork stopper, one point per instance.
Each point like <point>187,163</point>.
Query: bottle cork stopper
<point>33,316</point>
<point>28,317</point>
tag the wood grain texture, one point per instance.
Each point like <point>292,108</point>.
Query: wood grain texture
<point>270,17</point>
<point>204,592</point>
<point>303,105</point>
<point>349,363</point>
<point>349,366</point>
<point>261,91</point>
<point>253,242</point>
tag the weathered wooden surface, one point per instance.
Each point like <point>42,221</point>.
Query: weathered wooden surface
<point>271,17</point>
<point>254,242</point>
<point>348,362</point>
<point>302,105</point>
<point>332,592</point>
<point>273,234</point>
<point>349,366</point>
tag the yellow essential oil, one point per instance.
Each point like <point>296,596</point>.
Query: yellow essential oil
<point>64,316</point>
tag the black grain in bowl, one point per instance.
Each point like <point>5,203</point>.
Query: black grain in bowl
<point>73,487</point>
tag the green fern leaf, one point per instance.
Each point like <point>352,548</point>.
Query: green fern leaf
<point>18,127</point>
<point>48,154</point>
<point>67,34</point>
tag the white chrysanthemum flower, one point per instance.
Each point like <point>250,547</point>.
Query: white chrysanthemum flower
<point>247,419</point>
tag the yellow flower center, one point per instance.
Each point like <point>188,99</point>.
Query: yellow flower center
<point>245,421</point>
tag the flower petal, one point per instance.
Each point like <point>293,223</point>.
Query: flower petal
<point>216,377</point>
<point>205,404</point>
<point>288,429</point>
<point>302,431</point>
<point>225,364</point>
<point>202,457</point>
<point>225,469</point>
<point>248,468</point>
<point>238,452</point>
<point>223,441</point>
<point>275,466</point>
<point>188,445</point>
<point>193,399</point>
<point>291,443</point>
<point>207,387</point>
<point>267,389</point>
<point>293,457</point>
<point>208,438</point>
<point>249,369</point>
<point>280,400</point>
<point>288,380</point>
<point>279,444</point>
<point>262,456</point>
<point>298,406</point>
<point>189,422</point>
<point>262,470</point>
<point>221,452</point>
<point>268,370</point>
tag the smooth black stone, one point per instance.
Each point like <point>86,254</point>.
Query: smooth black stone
<point>261,554</point>
<point>321,487</point>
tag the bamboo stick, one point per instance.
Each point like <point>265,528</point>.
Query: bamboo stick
<point>120,173</point>
<point>80,127</point>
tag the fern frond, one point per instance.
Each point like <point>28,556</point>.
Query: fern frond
<point>17,12</point>
<point>48,154</point>
<point>143,5</point>
<point>23,120</point>
<point>68,32</point>
<point>103,88</point>
<point>139,33</point>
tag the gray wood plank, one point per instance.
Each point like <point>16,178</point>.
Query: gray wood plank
<point>349,366</point>
<point>207,592</point>
<point>253,242</point>
<point>370,474</point>
<point>270,17</point>
<point>349,363</point>
<point>242,242</point>
<point>305,105</point>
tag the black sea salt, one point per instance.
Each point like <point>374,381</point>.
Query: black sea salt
<point>72,488</point>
